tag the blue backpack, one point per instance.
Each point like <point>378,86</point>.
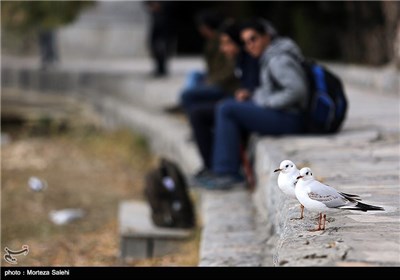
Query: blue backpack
<point>327,104</point>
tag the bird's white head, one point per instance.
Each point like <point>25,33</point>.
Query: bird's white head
<point>286,166</point>
<point>305,174</point>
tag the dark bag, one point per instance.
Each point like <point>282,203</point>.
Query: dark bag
<point>327,105</point>
<point>166,192</point>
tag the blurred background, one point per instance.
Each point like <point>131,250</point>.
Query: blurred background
<point>328,30</point>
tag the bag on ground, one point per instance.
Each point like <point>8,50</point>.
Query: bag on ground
<point>166,192</point>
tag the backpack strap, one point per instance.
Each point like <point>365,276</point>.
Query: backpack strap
<point>319,79</point>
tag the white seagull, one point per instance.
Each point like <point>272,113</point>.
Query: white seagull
<point>287,180</point>
<point>321,198</point>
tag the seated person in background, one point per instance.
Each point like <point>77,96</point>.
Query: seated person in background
<point>202,115</point>
<point>275,108</point>
<point>219,81</point>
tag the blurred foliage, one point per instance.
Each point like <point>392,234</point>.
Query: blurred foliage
<point>25,16</point>
<point>349,31</point>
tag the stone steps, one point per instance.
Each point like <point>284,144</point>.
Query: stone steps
<point>140,238</point>
<point>236,234</point>
<point>129,82</point>
<point>167,137</point>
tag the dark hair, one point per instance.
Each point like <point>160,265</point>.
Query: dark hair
<point>211,19</point>
<point>231,29</point>
<point>261,26</point>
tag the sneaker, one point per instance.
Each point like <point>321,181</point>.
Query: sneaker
<point>201,176</point>
<point>203,173</point>
<point>176,109</point>
<point>221,182</point>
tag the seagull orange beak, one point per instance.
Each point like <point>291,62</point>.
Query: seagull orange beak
<point>276,170</point>
<point>299,177</point>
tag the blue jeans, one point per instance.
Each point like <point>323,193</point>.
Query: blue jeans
<point>235,118</point>
<point>201,94</point>
<point>201,119</point>
<point>193,79</point>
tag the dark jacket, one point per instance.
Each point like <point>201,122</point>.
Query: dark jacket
<point>247,71</point>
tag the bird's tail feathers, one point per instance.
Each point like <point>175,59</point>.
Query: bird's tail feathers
<point>363,207</point>
<point>351,197</point>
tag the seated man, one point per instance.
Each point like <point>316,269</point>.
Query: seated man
<point>275,108</point>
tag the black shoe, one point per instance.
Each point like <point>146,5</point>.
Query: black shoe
<point>201,176</point>
<point>158,74</point>
<point>177,109</point>
<point>203,173</point>
<point>221,182</point>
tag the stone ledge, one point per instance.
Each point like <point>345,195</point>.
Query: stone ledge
<point>350,236</point>
<point>382,80</point>
<point>140,238</point>
<point>153,94</point>
<point>229,236</point>
<point>135,221</point>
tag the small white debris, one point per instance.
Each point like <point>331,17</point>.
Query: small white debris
<point>37,184</point>
<point>65,216</point>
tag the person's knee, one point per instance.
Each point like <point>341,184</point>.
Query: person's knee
<point>226,108</point>
<point>185,98</point>
<point>195,115</point>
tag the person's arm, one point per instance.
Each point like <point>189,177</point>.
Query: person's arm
<point>221,71</point>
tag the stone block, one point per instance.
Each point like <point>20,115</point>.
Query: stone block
<point>135,248</point>
<point>140,238</point>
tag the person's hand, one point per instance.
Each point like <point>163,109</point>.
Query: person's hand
<point>242,95</point>
<point>154,7</point>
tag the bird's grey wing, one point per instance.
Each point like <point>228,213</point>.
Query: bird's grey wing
<point>327,195</point>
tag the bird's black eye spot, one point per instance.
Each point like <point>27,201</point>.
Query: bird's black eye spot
<point>311,174</point>
<point>291,165</point>
<point>287,166</point>
<point>307,173</point>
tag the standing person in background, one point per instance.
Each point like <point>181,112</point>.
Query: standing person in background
<point>219,81</point>
<point>41,18</point>
<point>47,47</point>
<point>162,34</point>
<point>275,108</point>
<point>202,116</point>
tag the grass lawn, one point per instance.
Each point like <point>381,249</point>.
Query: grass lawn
<point>85,167</point>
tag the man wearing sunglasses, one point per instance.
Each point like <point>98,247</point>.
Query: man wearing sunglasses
<point>274,108</point>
